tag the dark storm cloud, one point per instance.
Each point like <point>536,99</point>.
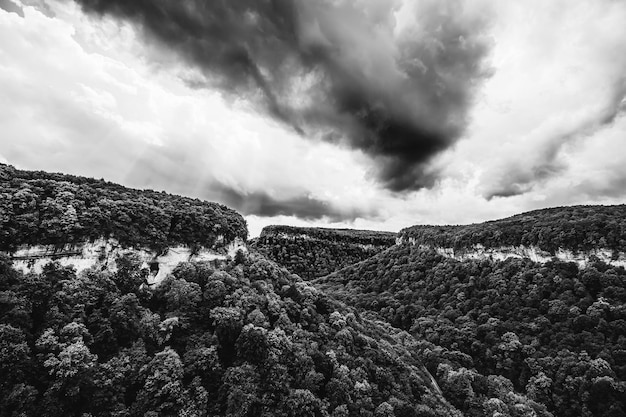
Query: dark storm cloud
<point>522,178</point>
<point>342,71</point>
<point>260,203</point>
<point>9,6</point>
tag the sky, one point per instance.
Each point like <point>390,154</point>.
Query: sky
<point>369,114</point>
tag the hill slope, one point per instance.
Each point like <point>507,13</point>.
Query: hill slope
<point>248,339</point>
<point>240,337</point>
<point>575,228</point>
<point>315,252</point>
<point>555,331</point>
<point>39,208</point>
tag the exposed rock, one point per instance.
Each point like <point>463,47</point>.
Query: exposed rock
<point>104,252</point>
<point>478,251</point>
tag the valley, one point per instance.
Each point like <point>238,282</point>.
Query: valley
<point>115,301</point>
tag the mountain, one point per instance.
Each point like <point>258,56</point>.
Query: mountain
<point>244,339</point>
<point>575,229</point>
<point>436,321</point>
<point>40,208</point>
<point>86,222</point>
<point>554,330</point>
<point>314,252</point>
<point>238,337</point>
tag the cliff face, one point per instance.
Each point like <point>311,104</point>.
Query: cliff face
<point>571,234</point>
<point>87,222</point>
<point>103,253</point>
<point>579,229</point>
<point>534,253</point>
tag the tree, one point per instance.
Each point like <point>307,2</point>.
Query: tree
<point>240,390</point>
<point>129,275</point>
<point>15,358</point>
<point>162,390</point>
<point>302,403</point>
<point>252,344</point>
<point>182,299</point>
<point>384,409</point>
<point>72,372</point>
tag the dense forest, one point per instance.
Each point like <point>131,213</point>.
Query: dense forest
<point>45,208</point>
<point>249,339</point>
<point>555,332</point>
<point>380,330</point>
<point>577,228</point>
<point>314,252</point>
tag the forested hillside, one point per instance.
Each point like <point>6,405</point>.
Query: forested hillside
<point>556,332</point>
<point>314,252</point>
<point>577,228</point>
<point>247,337</point>
<point>39,208</point>
<point>246,340</point>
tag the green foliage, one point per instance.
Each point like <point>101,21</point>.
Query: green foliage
<point>314,252</point>
<point>577,228</point>
<point>44,208</point>
<point>553,332</point>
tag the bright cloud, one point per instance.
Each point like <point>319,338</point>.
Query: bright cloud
<point>93,96</point>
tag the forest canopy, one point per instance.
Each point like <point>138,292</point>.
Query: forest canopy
<point>381,329</point>
<point>40,208</point>
<point>577,228</point>
<point>313,252</point>
<point>248,339</point>
<point>555,332</point>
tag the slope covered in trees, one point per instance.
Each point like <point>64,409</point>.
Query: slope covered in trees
<point>249,339</point>
<point>557,333</point>
<point>39,208</point>
<point>577,228</point>
<point>314,252</point>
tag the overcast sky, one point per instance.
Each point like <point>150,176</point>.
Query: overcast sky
<point>370,114</point>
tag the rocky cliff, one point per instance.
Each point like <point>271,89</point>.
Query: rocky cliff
<point>572,234</point>
<point>534,253</point>
<point>103,253</point>
<point>87,222</point>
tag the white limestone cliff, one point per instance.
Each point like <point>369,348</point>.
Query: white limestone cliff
<point>104,252</point>
<point>535,254</point>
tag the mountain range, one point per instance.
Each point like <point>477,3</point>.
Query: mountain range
<point>116,301</point>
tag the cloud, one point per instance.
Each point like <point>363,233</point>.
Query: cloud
<point>99,96</point>
<point>82,94</point>
<point>560,83</point>
<point>11,7</point>
<point>40,5</point>
<point>593,172</point>
<point>392,79</point>
<point>597,171</point>
<point>306,207</point>
<point>519,178</point>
